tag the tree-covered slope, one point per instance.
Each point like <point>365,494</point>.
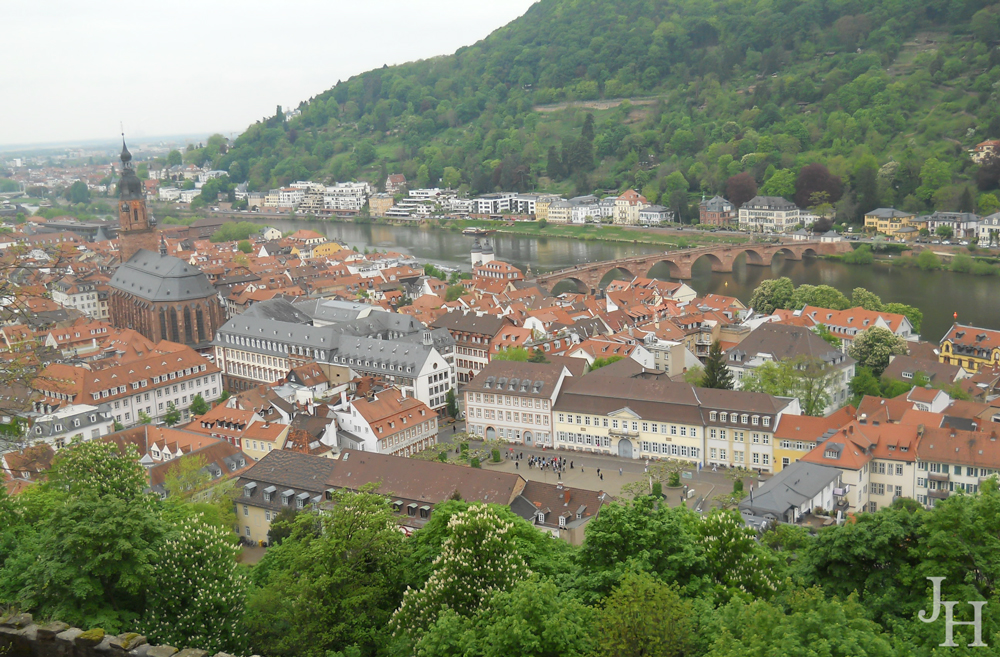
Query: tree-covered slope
<point>887,94</point>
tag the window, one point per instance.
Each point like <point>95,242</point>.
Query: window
<point>767,421</point>
<point>246,510</point>
<point>248,531</point>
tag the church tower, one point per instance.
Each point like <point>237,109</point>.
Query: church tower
<point>137,229</point>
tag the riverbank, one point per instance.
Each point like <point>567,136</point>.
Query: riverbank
<point>668,237</point>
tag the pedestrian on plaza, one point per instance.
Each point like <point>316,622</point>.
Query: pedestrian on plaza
<point>619,472</point>
<point>581,469</point>
<point>601,476</point>
<point>517,466</point>
<point>453,428</point>
<point>570,465</point>
<point>598,472</point>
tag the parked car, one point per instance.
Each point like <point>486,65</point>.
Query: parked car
<point>946,242</point>
<point>964,243</point>
<point>936,242</point>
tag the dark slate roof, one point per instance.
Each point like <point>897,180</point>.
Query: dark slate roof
<point>790,488</point>
<point>278,309</point>
<point>717,204</point>
<point>528,379</point>
<point>156,277</point>
<point>782,341</point>
<point>769,203</point>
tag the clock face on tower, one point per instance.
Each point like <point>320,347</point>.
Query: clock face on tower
<point>124,207</point>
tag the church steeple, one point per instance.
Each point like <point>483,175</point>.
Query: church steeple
<point>136,230</point>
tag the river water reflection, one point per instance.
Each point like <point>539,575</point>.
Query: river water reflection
<point>937,294</point>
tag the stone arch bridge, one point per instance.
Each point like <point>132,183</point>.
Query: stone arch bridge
<point>587,277</point>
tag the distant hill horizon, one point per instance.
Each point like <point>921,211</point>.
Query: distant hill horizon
<point>672,98</point>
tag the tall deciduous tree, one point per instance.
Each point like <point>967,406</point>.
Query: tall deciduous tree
<point>741,188</point>
<point>645,617</point>
<point>816,179</point>
<point>874,347</point>
<point>333,583</point>
<point>772,294</point>
<point>717,375</point>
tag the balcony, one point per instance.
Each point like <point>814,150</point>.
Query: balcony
<point>938,476</point>
<point>938,494</point>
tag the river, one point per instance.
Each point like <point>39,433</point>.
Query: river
<point>938,294</point>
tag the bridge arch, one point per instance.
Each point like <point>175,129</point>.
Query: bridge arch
<point>757,257</point>
<point>789,253</point>
<point>618,269</point>
<point>809,251</point>
<point>718,264</point>
<point>581,286</point>
<point>674,270</point>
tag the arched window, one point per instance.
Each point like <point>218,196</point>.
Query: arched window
<point>188,335</point>
<point>200,317</point>
<point>173,325</point>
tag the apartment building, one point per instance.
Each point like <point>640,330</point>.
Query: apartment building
<point>389,423</point>
<point>473,334</point>
<point>769,214</point>
<point>513,401</point>
<point>172,374</point>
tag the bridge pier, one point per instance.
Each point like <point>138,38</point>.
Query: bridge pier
<point>723,266</point>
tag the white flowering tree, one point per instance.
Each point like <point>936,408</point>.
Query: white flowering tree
<point>874,347</point>
<point>737,563</point>
<point>478,559</point>
<point>198,601</point>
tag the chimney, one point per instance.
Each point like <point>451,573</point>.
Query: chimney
<point>559,485</point>
<point>850,429</point>
<point>565,498</point>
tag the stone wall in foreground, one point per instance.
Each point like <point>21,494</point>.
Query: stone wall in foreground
<point>20,636</point>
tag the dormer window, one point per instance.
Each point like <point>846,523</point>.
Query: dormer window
<point>562,522</point>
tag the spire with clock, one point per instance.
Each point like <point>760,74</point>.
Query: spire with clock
<point>137,229</point>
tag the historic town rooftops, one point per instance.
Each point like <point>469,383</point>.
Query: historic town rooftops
<point>412,479</point>
<point>154,277</point>
<point>972,338</point>
<point>650,400</point>
<point>576,505</point>
<point>460,322</point>
<point>769,203</point>
<point>222,460</point>
<point>905,368</point>
<point>389,412</point>
<point>520,379</point>
<point>780,342</point>
<point>953,446</point>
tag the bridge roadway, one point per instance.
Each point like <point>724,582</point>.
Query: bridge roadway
<point>587,277</point>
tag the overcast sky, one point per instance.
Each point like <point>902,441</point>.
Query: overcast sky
<point>76,68</point>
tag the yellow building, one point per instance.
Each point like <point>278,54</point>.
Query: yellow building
<point>379,204</point>
<point>887,221</point>
<point>796,435</point>
<point>326,249</point>
<point>970,347</point>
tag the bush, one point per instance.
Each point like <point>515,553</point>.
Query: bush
<point>860,256</point>
<point>961,263</point>
<point>674,480</point>
<point>496,455</point>
<point>657,489</point>
<point>928,260</point>
<point>475,463</point>
<point>443,457</point>
<point>980,268</point>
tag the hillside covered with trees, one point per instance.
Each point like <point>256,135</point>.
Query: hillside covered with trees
<point>674,98</point>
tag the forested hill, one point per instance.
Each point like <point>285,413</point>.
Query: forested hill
<point>889,95</point>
